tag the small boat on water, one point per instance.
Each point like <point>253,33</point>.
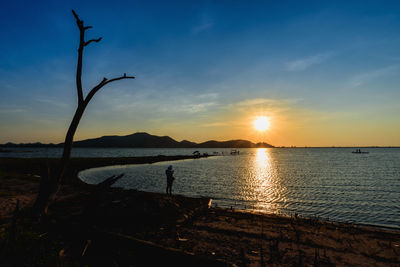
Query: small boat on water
<point>358,151</point>
<point>235,152</point>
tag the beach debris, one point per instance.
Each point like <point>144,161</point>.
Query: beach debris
<point>254,252</point>
<point>86,247</point>
<point>179,238</point>
<point>61,254</point>
<point>109,181</point>
<point>209,203</point>
<point>42,235</point>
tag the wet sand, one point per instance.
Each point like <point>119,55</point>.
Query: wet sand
<point>133,227</point>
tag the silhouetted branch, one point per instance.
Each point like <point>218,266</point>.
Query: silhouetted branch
<point>78,21</point>
<point>93,40</point>
<point>109,181</point>
<point>102,83</point>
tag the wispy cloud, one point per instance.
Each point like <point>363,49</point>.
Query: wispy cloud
<point>265,102</point>
<point>209,96</point>
<point>52,101</point>
<point>216,124</point>
<point>366,77</point>
<point>197,108</point>
<point>304,63</point>
<point>154,105</point>
<point>205,23</point>
<point>12,110</point>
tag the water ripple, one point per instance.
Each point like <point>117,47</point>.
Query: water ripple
<point>330,183</point>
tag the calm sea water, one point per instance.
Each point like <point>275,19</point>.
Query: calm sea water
<point>99,152</point>
<point>331,183</point>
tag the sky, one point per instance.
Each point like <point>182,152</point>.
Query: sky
<point>325,73</point>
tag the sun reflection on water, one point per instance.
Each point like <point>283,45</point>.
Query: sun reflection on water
<point>265,183</point>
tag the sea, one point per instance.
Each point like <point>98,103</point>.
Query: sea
<point>327,183</point>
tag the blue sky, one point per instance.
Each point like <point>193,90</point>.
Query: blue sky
<point>324,72</point>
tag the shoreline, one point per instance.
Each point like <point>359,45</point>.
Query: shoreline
<point>182,228</point>
<point>283,215</point>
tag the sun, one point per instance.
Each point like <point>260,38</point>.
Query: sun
<point>261,123</point>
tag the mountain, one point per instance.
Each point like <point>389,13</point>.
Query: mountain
<point>145,140</point>
<point>140,140</point>
<point>31,145</point>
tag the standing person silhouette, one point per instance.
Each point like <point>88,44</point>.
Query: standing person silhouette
<point>170,178</point>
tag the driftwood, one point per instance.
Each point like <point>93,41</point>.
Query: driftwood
<point>108,182</point>
<point>95,198</point>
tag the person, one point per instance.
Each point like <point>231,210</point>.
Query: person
<point>170,178</point>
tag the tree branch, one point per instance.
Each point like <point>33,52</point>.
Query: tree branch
<point>79,22</point>
<point>75,15</point>
<point>102,83</point>
<point>80,55</point>
<point>93,40</point>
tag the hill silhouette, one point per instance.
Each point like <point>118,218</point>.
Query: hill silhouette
<point>145,140</point>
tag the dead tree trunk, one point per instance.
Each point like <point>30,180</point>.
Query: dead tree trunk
<point>51,182</point>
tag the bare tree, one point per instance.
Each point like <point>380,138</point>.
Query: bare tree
<point>51,182</point>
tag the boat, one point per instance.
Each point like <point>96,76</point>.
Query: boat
<point>358,151</point>
<point>235,152</point>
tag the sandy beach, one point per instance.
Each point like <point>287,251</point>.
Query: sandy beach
<point>126,227</point>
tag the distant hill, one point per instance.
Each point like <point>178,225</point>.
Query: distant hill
<point>140,140</point>
<point>145,140</point>
<point>10,145</point>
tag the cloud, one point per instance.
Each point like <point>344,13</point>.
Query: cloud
<point>209,96</point>
<point>52,101</point>
<point>205,23</point>
<point>153,105</point>
<point>215,124</point>
<point>304,63</point>
<point>12,110</point>
<point>366,77</point>
<point>269,102</point>
<point>197,108</point>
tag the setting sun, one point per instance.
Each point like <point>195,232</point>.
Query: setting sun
<point>261,123</point>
